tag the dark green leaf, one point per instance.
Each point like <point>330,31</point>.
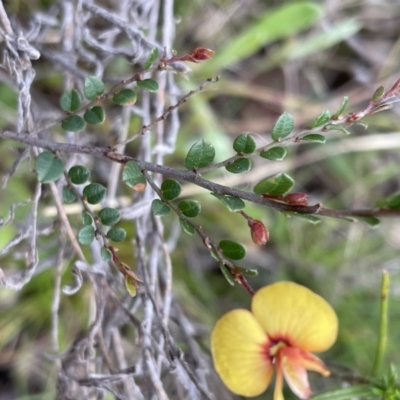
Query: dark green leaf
<point>69,196</point>
<point>94,193</point>
<point>239,166</point>
<point>109,216</point>
<point>70,100</point>
<point>312,219</point>
<point>130,285</point>
<point>227,275</point>
<point>200,155</point>
<point>275,154</point>
<point>345,393</point>
<point>93,87</point>
<point>78,174</point>
<point>159,208</point>
<point>95,115</point>
<point>277,185</point>
<point>371,221</point>
<point>86,218</point>
<point>322,119</point>
<point>171,189</point>
<point>86,235</point>
<point>48,167</point>
<point>232,250</point>
<point>244,144</point>
<point>186,227</point>
<point>148,84</point>
<point>133,177</point>
<point>315,138</point>
<point>232,203</point>
<point>126,97</point>
<point>283,127</point>
<point>247,271</point>
<point>74,123</point>
<point>341,108</point>
<point>105,254</point>
<point>333,127</point>
<point>151,58</point>
<point>116,234</point>
<point>378,94</point>
<point>392,202</point>
<point>190,208</point>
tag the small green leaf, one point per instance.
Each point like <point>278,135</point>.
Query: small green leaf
<point>86,235</point>
<point>227,275</point>
<point>78,174</point>
<point>392,202</point>
<point>274,154</point>
<point>239,166</point>
<point>314,138</point>
<point>283,127</point>
<point>48,167</point>
<point>341,108</point>
<point>371,221</point>
<point>130,285</point>
<point>322,119</point>
<point>159,208</point>
<point>200,155</point>
<point>148,84</point>
<point>151,58</point>
<point>132,175</point>
<point>190,208</point>
<point>347,393</point>
<point>74,123</point>
<point>333,127</point>
<point>116,234</point>
<point>232,250</point>
<point>232,203</point>
<point>378,94</point>
<point>247,271</point>
<point>70,100</point>
<point>187,228</point>
<point>109,216</point>
<point>171,189</point>
<point>105,254</point>
<point>94,193</point>
<point>244,143</point>
<point>126,97</point>
<point>93,87</point>
<point>95,115</point>
<point>277,185</point>
<point>312,219</point>
<point>86,218</point>
<point>68,195</point>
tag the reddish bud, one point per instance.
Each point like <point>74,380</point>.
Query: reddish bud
<point>201,53</point>
<point>259,233</point>
<point>299,199</point>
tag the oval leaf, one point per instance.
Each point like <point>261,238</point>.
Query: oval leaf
<point>200,155</point>
<point>187,228</point>
<point>95,115</point>
<point>93,87</point>
<point>109,216</point>
<point>148,84</point>
<point>190,208</point>
<point>151,58</point>
<point>74,123</point>
<point>133,177</point>
<point>274,154</point>
<point>244,144</point>
<point>227,275</point>
<point>105,254</point>
<point>239,166</point>
<point>126,97</point>
<point>68,195</point>
<point>116,234</point>
<point>232,250</point>
<point>70,100</point>
<point>283,127</point>
<point>86,218</point>
<point>322,119</point>
<point>171,189</point>
<point>94,193</point>
<point>277,185</point>
<point>314,138</point>
<point>341,108</point>
<point>246,271</point>
<point>232,203</point>
<point>131,285</point>
<point>159,208</point>
<point>48,167</point>
<point>86,235</point>
<point>78,174</point>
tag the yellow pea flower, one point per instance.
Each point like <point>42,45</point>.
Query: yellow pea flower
<point>286,324</point>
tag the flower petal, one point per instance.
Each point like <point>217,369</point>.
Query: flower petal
<point>238,346</point>
<point>291,312</point>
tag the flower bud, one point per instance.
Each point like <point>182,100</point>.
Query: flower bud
<point>201,53</point>
<point>299,199</point>
<point>259,233</point>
